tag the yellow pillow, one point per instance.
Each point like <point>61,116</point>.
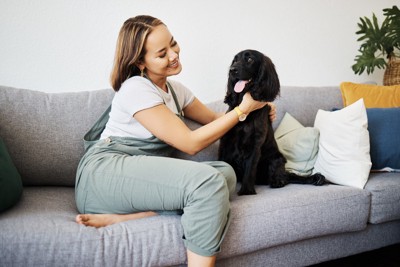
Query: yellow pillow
<point>375,96</point>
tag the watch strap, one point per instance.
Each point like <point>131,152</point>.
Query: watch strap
<point>238,111</point>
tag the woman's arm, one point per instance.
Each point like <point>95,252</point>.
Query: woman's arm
<point>165,125</point>
<point>200,113</point>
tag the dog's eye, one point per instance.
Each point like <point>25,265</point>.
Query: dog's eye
<point>250,60</point>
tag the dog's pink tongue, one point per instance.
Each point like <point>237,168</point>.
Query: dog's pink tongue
<point>239,86</point>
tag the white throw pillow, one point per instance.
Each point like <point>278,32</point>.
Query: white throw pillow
<point>298,144</point>
<point>343,155</point>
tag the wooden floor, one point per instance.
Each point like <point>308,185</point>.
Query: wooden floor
<point>384,257</point>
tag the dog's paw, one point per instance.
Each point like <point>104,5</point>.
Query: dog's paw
<point>318,179</point>
<point>246,191</point>
<point>278,183</point>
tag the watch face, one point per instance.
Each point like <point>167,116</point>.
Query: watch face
<point>242,117</point>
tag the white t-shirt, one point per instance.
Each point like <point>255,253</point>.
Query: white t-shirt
<point>136,94</point>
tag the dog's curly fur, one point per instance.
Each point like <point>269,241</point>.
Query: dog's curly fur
<point>250,147</point>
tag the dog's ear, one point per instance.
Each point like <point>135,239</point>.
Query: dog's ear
<point>267,80</point>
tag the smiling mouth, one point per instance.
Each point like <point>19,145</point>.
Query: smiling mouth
<point>174,64</point>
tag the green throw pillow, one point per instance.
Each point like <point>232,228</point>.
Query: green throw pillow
<point>10,180</point>
<point>298,144</point>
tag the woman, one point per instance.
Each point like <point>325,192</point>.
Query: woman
<point>126,173</point>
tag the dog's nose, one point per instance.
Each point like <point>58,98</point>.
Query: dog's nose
<point>233,70</point>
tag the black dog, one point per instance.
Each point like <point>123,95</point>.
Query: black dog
<point>250,147</point>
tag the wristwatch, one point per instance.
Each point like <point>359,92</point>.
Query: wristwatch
<point>240,114</point>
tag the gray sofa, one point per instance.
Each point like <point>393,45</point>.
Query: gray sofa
<point>297,225</point>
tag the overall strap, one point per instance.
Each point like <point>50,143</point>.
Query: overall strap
<point>93,135</point>
<point>178,107</point>
<point>169,86</point>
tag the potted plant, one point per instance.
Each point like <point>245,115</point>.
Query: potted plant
<point>380,46</point>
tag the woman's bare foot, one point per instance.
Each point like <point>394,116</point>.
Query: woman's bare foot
<point>101,220</point>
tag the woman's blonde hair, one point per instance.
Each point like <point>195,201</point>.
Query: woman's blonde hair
<point>130,48</point>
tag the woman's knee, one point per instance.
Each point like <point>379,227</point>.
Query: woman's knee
<point>228,172</point>
<point>231,180</point>
<point>230,177</point>
<point>214,189</point>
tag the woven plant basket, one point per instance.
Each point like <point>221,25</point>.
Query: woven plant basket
<point>392,72</point>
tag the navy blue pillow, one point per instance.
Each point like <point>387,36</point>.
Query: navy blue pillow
<point>384,134</point>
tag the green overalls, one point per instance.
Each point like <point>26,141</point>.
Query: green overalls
<point>122,175</point>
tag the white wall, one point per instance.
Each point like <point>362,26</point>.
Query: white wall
<point>68,45</point>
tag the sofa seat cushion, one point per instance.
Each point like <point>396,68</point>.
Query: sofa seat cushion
<point>293,213</point>
<point>385,197</point>
<point>48,235</point>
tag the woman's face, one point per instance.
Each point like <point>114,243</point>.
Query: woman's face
<point>162,55</point>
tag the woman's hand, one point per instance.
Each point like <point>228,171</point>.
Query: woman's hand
<point>248,104</point>
<point>272,112</point>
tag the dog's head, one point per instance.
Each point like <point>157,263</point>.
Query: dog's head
<point>252,71</point>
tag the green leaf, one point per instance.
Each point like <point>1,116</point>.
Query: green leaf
<point>367,61</point>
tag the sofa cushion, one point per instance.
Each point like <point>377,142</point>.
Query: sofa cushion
<point>44,131</point>
<point>343,155</point>
<point>375,96</point>
<point>10,180</point>
<point>292,213</point>
<point>384,132</point>
<point>45,216</point>
<point>303,103</point>
<point>48,235</point>
<point>298,144</point>
<point>385,197</point>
